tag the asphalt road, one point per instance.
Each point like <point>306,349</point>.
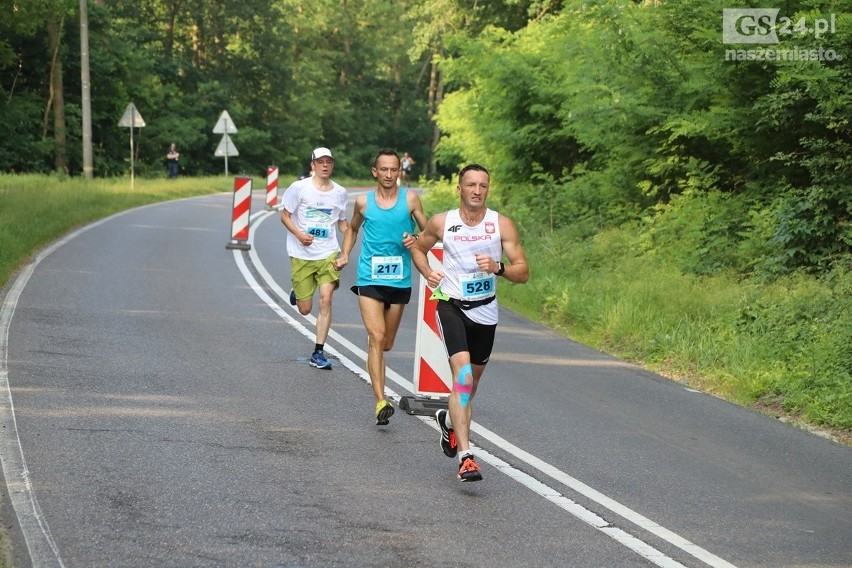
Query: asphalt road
<point>158,409</point>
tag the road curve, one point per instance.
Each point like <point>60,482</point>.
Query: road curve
<point>158,410</point>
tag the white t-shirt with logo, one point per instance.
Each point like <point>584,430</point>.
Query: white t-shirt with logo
<point>317,213</point>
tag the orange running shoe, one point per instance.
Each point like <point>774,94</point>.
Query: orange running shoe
<point>469,471</point>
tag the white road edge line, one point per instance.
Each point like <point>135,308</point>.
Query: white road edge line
<point>528,481</point>
<point>41,547</point>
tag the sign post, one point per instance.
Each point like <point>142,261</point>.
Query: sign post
<point>226,148</point>
<point>225,126</point>
<point>130,119</point>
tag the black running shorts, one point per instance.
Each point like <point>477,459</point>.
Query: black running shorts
<point>387,294</point>
<point>461,333</point>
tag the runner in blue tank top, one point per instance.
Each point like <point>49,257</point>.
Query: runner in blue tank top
<point>384,260</point>
<point>383,283</point>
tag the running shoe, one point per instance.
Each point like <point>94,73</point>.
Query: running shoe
<point>448,436</point>
<point>292,297</point>
<point>468,470</point>
<point>384,410</point>
<point>319,361</point>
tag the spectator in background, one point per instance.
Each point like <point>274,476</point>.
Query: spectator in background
<point>407,163</point>
<point>172,161</point>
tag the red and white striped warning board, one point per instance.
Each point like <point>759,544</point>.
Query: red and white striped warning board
<point>432,374</point>
<point>271,187</point>
<point>241,214</point>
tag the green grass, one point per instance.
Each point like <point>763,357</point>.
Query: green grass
<point>783,347</point>
<point>36,210</point>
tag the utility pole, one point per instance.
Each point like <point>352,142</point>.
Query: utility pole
<point>88,169</point>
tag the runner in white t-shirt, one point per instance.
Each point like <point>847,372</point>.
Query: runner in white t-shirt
<point>314,209</point>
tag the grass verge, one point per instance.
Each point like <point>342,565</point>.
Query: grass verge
<point>35,210</point>
<point>783,348</point>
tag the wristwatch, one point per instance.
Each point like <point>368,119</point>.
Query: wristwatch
<point>501,268</point>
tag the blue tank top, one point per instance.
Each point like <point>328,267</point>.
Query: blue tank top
<point>384,260</point>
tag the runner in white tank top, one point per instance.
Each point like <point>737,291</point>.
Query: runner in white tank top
<point>463,279</point>
<point>475,241</point>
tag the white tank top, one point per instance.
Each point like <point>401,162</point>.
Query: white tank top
<point>463,280</point>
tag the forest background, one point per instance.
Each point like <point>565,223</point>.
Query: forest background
<point>684,205</point>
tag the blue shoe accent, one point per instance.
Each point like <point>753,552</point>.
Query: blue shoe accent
<point>319,361</point>
<point>292,297</point>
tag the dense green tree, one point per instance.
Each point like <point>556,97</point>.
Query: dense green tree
<point>33,112</point>
<point>607,110</point>
<point>291,75</point>
<point>594,113</point>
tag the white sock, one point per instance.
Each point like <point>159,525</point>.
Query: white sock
<point>448,422</point>
<point>465,454</point>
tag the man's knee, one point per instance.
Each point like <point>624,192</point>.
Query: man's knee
<point>377,338</point>
<point>325,304</point>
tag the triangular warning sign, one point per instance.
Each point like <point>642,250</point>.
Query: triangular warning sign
<point>226,147</point>
<point>131,117</point>
<point>224,125</point>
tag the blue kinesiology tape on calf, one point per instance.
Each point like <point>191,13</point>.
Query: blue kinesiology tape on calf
<point>464,384</point>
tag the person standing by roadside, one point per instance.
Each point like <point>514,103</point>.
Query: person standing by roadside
<point>313,208</point>
<point>475,239</point>
<point>388,215</point>
<point>407,164</point>
<point>172,161</point>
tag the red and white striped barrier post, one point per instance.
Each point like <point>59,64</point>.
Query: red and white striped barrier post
<point>432,375</point>
<point>271,187</point>
<point>240,217</point>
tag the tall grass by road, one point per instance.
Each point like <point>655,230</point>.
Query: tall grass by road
<point>36,210</point>
<point>782,347</point>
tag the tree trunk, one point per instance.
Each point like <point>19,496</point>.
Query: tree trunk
<point>436,95</point>
<point>85,87</point>
<point>169,40</point>
<point>57,98</point>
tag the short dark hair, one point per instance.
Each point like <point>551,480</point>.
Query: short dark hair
<point>474,168</point>
<point>385,152</point>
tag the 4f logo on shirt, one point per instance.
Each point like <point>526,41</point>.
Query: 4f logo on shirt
<point>455,228</point>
